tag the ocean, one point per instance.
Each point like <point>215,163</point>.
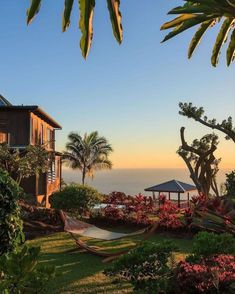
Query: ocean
<point>133,181</point>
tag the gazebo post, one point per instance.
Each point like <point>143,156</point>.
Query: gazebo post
<point>188,200</point>
<point>154,197</point>
<point>178,199</point>
<point>159,194</point>
<point>169,195</point>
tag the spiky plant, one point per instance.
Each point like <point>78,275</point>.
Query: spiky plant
<point>205,13</point>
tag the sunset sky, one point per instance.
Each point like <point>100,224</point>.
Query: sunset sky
<point>129,93</point>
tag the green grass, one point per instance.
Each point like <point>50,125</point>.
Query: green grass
<point>81,272</point>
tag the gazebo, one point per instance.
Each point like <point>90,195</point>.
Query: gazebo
<point>172,186</point>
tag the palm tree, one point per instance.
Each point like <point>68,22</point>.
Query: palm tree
<point>86,19</point>
<point>205,13</point>
<point>88,153</point>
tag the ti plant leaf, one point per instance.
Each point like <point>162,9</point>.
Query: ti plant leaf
<point>33,10</point>
<point>116,19</point>
<point>205,13</point>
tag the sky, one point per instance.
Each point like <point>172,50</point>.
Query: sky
<point>129,93</point>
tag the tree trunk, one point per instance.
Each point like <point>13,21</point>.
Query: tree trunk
<point>83,176</point>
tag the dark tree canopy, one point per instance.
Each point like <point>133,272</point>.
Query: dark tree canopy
<point>201,161</point>
<point>197,113</point>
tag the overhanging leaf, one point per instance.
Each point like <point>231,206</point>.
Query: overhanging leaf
<point>177,21</point>
<point>33,10</point>
<point>186,25</point>
<point>86,25</point>
<point>116,19</point>
<point>68,6</point>
<point>231,49</point>
<point>198,36</point>
<point>221,38</point>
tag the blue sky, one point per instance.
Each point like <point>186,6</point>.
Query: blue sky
<point>129,93</point>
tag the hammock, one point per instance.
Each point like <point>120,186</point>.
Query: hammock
<point>76,227</point>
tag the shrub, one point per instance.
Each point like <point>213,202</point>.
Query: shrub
<point>21,273</point>
<point>168,214</point>
<point>230,184</point>
<point>145,267</point>
<point>134,210</point>
<point>208,244</point>
<point>212,275</point>
<point>11,234</point>
<point>77,199</point>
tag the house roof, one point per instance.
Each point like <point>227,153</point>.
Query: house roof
<point>4,101</point>
<point>172,186</point>
<point>7,106</point>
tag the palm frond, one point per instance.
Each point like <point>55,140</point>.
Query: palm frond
<point>205,13</point>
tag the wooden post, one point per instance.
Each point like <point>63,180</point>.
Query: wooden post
<point>159,194</point>
<point>179,200</point>
<point>169,195</point>
<point>188,200</point>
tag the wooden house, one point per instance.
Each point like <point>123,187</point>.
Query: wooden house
<point>25,125</point>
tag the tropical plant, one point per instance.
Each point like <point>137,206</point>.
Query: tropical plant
<point>207,275</point>
<point>201,161</point>
<point>216,214</point>
<point>230,184</point>
<point>11,234</point>
<point>209,244</point>
<point>146,267</point>
<point>20,272</point>
<point>77,199</point>
<point>205,13</point>
<point>198,114</point>
<point>88,153</point>
<point>23,163</point>
<point>126,209</point>
<point>86,19</point>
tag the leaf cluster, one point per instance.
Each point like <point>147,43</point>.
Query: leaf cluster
<point>11,234</point>
<point>205,13</point>
<point>77,199</point>
<point>86,8</point>
<point>21,273</point>
<point>145,267</point>
<point>23,163</point>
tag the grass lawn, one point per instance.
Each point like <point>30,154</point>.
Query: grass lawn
<point>81,272</point>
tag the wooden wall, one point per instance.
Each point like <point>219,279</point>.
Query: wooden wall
<point>14,124</point>
<point>40,132</point>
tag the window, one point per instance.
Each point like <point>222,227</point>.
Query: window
<point>50,138</point>
<point>51,173</point>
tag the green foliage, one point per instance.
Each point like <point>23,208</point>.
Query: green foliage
<point>86,19</point>
<point>11,234</point>
<point>209,244</point>
<point>146,267</point>
<point>20,272</point>
<point>23,164</point>
<point>77,199</point>
<point>207,14</point>
<point>230,184</point>
<point>198,114</point>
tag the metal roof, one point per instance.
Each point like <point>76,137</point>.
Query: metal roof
<point>172,186</point>
<point>32,108</point>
